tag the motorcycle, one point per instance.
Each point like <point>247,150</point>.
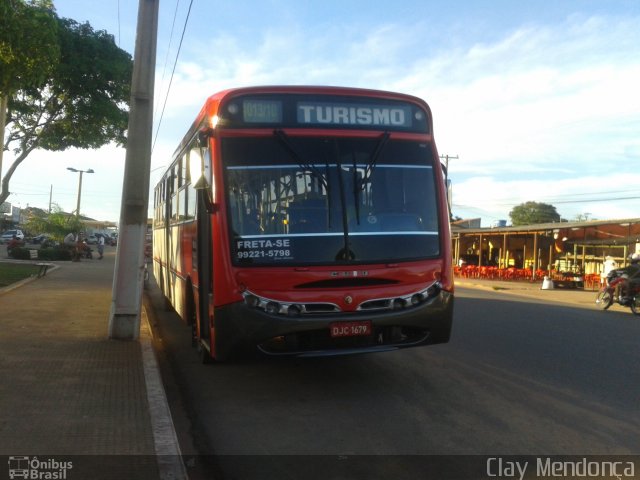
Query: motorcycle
<point>612,292</point>
<point>83,250</point>
<point>87,253</point>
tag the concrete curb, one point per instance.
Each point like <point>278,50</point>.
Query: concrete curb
<point>567,297</point>
<point>25,281</point>
<point>168,454</point>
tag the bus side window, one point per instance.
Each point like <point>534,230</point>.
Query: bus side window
<point>191,202</point>
<point>176,176</point>
<point>173,202</point>
<point>184,172</point>
<point>182,204</point>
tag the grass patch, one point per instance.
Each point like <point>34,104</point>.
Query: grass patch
<point>12,272</point>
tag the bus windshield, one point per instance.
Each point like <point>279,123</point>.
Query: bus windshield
<point>310,200</point>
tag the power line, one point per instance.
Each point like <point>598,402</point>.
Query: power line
<point>184,28</point>
<point>118,23</point>
<point>634,190</point>
<point>561,202</point>
<point>615,199</point>
<point>560,198</point>
<point>166,59</point>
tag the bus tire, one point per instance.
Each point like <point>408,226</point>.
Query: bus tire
<point>204,354</point>
<point>194,335</point>
<point>190,304</point>
<point>635,305</point>
<point>166,303</point>
<point>191,318</point>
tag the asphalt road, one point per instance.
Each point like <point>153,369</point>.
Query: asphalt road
<point>519,377</point>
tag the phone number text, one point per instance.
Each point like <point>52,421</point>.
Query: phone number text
<point>264,254</point>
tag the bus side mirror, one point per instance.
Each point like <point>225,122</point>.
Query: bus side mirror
<point>200,168</point>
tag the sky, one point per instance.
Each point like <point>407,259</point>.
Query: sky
<point>533,101</point>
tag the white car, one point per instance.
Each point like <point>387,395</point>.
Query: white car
<point>91,240</point>
<point>8,235</point>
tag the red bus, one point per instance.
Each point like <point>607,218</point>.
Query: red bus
<point>306,221</point>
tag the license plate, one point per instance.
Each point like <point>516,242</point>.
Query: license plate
<point>350,329</point>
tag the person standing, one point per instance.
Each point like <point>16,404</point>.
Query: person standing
<point>69,240</point>
<point>608,266</point>
<point>100,246</point>
<point>13,243</point>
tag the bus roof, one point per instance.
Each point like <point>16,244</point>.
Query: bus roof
<point>211,107</point>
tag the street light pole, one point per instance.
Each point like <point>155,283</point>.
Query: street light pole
<point>71,169</point>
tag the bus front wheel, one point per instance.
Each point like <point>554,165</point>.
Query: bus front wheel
<point>204,354</point>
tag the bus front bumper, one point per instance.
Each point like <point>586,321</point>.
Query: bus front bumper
<point>239,327</point>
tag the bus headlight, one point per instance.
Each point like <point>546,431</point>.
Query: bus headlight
<point>398,303</point>
<point>272,308</point>
<point>252,300</point>
<point>417,298</point>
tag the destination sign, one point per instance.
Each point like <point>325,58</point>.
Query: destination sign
<point>323,111</point>
<point>262,111</point>
<point>320,113</point>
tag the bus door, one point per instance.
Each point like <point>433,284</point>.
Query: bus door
<point>165,267</point>
<point>204,242</point>
<point>200,172</point>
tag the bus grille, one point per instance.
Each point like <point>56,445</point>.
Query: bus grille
<point>321,341</point>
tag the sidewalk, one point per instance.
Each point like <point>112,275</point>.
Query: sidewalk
<point>533,290</point>
<point>67,391</point>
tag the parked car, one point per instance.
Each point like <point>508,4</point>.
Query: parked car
<point>91,239</point>
<point>49,243</point>
<point>107,238</point>
<point>44,240</point>
<point>8,235</point>
<point>39,238</point>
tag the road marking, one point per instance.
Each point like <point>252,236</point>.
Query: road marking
<point>168,454</point>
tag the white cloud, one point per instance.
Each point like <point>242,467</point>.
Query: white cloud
<point>538,110</point>
<point>550,104</point>
<point>608,196</point>
<point>541,97</point>
<point>44,175</point>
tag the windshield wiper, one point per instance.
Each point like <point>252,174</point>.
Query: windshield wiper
<point>358,185</point>
<point>284,140</point>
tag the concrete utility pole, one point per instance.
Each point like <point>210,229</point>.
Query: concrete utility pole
<point>124,318</point>
<point>446,160</point>
<point>448,182</point>
<point>4,101</point>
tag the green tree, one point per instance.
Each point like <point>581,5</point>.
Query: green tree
<point>28,44</point>
<point>583,217</point>
<point>83,103</point>
<point>57,223</point>
<point>29,49</point>
<point>530,213</point>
